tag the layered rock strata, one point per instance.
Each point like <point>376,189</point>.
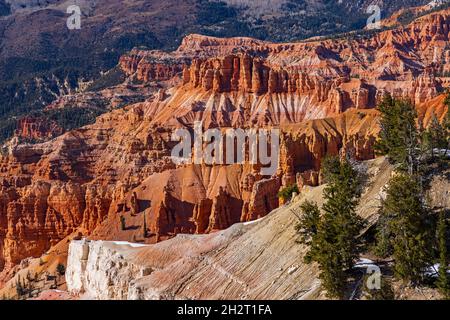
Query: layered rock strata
<point>115,179</point>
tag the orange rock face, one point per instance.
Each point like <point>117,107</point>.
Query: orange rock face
<point>87,179</point>
<point>115,179</point>
<point>406,62</point>
<point>36,129</point>
<point>136,63</point>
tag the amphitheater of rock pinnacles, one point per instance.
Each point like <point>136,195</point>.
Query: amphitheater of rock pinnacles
<point>113,181</point>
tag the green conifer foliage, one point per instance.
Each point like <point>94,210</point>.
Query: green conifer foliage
<point>443,280</point>
<point>308,224</point>
<point>407,220</point>
<point>435,138</point>
<point>336,244</point>
<point>399,137</point>
<point>123,223</point>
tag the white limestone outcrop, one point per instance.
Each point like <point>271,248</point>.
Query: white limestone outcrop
<point>100,270</point>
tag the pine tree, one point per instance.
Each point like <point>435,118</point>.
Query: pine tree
<point>336,245</point>
<point>20,288</point>
<point>399,137</point>
<point>447,98</point>
<point>409,230</point>
<point>341,199</point>
<point>144,226</point>
<point>331,167</point>
<point>444,280</point>
<point>438,133</point>
<point>308,224</point>
<point>30,289</point>
<point>446,122</point>
<point>435,137</point>
<point>61,269</point>
<point>446,126</point>
<point>383,236</point>
<point>287,193</point>
<point>123,223</point>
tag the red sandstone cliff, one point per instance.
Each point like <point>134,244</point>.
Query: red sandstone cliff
<point>87,179</point>
<point>406,61</point>
<point>37,129</point>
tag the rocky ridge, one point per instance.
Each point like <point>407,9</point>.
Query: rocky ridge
<point>291,82</point>
<point>88,179</point>
<point>256,261</point>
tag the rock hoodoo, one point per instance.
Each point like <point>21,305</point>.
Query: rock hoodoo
<point>320,94</point>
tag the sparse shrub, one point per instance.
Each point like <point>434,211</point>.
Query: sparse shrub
<point>20,288</point>
<point>144,227</point>
<point>61,269</point>
<point>123,223</point>
<point>286,193</point>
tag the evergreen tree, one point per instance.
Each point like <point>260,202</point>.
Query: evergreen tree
<point>447,98</point>
<point>331,167</point>
<point>438,133</point>
<point>444,280</point>
<point>61,269</point>
<point>399,137</point>
<point>123,223</point>
<point>383,236</point>
<point>144,226</point>
<point>446,126</point>
<point>30,289</point>
<point>435,137</point>
<point>446,122</point>
<point>21,287</point>
<point>336,244</point>
<point>341,199</point>
<point>407,222</point>
<point>308,223</point>
<point>287,193</point>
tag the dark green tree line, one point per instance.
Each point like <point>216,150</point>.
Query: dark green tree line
<point>406,228</point>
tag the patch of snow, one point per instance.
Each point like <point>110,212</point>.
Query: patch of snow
<point>252,222</point>
<point>364,263</point>
<point>442,152</point>
<point>435,3</point>
<point>58,291</point>
<point>292,269</point>
<point>433,271</point>
<point>133,245</point>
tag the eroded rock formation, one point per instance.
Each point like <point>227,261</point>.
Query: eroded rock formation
<point>319,93</point>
